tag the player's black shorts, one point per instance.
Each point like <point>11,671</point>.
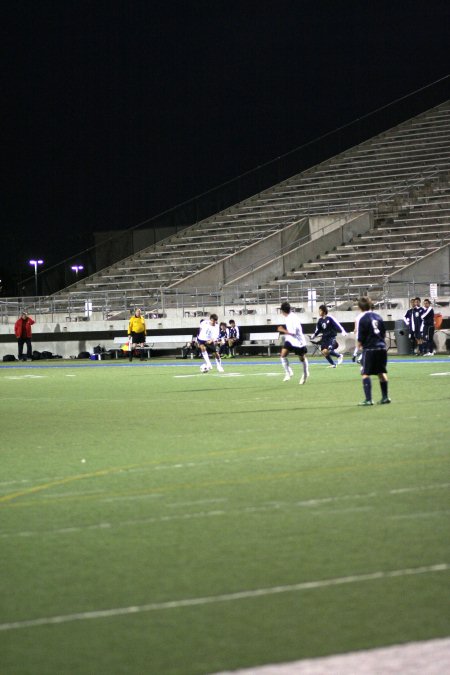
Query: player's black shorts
<point>300,351</point>
<point>374,361</point>
<point>330,344</point>
<point>211,347</point>
<point>137,338</point>
<point>428,332</point>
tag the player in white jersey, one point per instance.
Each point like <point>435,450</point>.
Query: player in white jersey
<point>208,341</point>
<point>294,341</point>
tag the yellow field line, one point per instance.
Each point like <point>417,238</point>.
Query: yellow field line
<point>117,469</point>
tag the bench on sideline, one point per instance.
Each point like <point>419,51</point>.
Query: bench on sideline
<point>153,340</point>
<point>260,342</point>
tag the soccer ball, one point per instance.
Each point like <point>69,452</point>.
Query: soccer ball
<point>204,368</point>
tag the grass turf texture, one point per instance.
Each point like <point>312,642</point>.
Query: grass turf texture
<point>199,486</point>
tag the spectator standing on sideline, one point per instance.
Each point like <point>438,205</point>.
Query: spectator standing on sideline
<point>416,323</point>
<point>427,329</point>
<point>408,320</point>
<point>294,341</point>
<point>233,338</point>
<point>136,332</point>
<point>371,334</point>
<point>22,330</point>
<point>329,328</point>
<point>208,341</point>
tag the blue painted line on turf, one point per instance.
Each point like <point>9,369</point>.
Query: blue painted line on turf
<point>97,364</point>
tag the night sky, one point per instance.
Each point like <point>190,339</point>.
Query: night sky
<point>115,111</point>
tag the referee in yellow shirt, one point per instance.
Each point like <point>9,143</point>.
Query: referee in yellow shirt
<point>136,332</point>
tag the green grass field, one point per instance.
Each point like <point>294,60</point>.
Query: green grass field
<point>157,520</point>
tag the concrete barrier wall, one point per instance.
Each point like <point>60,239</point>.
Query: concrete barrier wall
<point>71,339</point>
<point>341,231</point>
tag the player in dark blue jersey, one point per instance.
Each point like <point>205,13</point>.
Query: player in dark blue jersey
<point>233,338</point>
<point>408,320</point>
<point>329,328</point>
<point>427,329</point>
<point>416,324</point>
<point>371,334</point>
<point>222,340</point>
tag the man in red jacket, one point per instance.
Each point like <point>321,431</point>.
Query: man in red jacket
<point>22,329</point>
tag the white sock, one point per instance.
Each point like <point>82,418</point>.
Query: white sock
<point>206,357</point>
<point>305,366</point>
<point>285,363</point>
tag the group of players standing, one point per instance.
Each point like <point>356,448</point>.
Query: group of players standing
<point>369,328</point>
<point>420,322</point>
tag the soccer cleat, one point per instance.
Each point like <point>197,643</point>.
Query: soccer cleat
<point>287,377</point>
<point>304,377</point>
<point>366,402</point>
<point>340,359</point>
<point>220,368</point>
<point>384,400</point>
<point>333,366</point>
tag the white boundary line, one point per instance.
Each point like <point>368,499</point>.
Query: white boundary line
<point>313,506</point>
<point>226,597</point>
<point>431,657</point>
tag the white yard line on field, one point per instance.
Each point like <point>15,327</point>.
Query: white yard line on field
<point>312,505</point>
<point>420,514</point>
<point>225,597</point>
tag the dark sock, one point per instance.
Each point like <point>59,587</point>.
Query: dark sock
<point>334,353</point>
<point>367,386</point>
<point>384,389</point>
<point>330,360</point>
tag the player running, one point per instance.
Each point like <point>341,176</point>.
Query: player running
<point>295,341</point>
<point>329,328</point>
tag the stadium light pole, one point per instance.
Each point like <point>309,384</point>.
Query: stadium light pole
<point>35,264</point>
<point>76,269</point>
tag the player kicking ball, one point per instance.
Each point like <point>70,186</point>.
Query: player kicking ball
<point>371,333</point>
<point>209,343</point>
<point>294,341</point>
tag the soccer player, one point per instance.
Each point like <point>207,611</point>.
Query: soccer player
<point>427,329</point>
<point>208,342</point>
<point>223,340</point>
<point>415,325</point>
<point>233,338</point>
<point>329,328</point>
<point>371,334</point>
<point>294,341</point>
<point>407,320</point>
<point>357,355</point>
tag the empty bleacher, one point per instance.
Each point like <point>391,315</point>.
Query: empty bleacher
<point>401,176</point>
